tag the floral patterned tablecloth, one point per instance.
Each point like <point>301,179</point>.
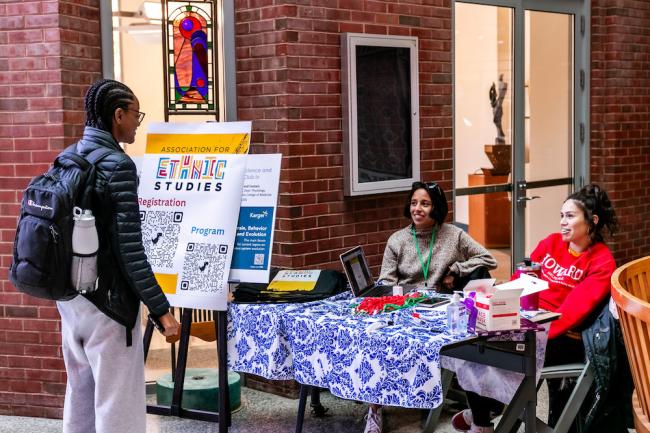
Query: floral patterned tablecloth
<point>324,344</point>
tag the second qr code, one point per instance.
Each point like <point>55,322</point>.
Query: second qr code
<point>203,267</point>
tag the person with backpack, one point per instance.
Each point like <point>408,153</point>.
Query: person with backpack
<point>101,333</point>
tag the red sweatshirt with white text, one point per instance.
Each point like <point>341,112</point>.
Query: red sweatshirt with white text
<point>576,284</point>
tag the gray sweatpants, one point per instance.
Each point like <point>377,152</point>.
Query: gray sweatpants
<point>106,390</point>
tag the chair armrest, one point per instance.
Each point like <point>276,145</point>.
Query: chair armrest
<point>564,370</point>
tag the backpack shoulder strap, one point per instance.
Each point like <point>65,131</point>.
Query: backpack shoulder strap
<point>78,159</point>
<point>98,154</point>
<point>91,160</point>
<point>70,153</point>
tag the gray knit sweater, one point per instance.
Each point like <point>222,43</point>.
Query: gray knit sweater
<point>454,250</point>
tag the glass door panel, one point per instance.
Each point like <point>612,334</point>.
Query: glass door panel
<point>483,126</point>
<point>549,120</point>
<point>517,107</point>
<point>549,96</point>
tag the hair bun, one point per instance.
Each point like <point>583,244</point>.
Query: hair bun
<point>595,201</point>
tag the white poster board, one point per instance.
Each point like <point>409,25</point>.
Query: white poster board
<point>251,262</point>
<point>191,178</point>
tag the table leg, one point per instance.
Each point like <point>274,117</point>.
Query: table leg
<point>302,403</point>
<point>317,409</point>
<point>514,410</point>
<point>530,381</point>
<point>524,401</point>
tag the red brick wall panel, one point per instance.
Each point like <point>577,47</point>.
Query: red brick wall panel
<point>289,86</point>
<point>310,54</point>
<point>49,54</point>
<point>620,119</point>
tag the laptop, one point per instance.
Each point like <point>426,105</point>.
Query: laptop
<point>361,282</point>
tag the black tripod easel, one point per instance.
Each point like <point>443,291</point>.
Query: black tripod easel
<point>175,409</point>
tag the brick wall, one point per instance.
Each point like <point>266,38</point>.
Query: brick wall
<point>49,54</point>
<point>620,118</point>
<point>289,85</point>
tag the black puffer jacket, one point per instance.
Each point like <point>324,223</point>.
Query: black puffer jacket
<point>125,276</point>
<point>610,402</point>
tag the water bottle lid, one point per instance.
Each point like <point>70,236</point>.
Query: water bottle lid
<point>82,214</point>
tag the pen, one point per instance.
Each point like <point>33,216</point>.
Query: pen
<point>425,322</point>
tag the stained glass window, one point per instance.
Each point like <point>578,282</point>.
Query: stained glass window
<point>190,60</point>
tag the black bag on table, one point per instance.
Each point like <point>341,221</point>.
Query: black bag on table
<point>330,282</point>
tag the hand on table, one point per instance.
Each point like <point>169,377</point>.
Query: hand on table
<point>448,282</point>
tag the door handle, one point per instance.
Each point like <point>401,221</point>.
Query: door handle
<point>525,199</point>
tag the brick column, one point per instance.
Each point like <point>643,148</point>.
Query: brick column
<point>49,54</point>
<point>289,85</point>
<point>620,118</point>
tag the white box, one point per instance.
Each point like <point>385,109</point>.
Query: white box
<point>498,306</point>
<point>498,309</point>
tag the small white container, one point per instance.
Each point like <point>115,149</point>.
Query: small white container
<point>398,290</point>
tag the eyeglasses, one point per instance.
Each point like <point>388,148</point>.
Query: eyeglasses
<point>432,185</point>
<point>429,185</point>
<point>140,114</point>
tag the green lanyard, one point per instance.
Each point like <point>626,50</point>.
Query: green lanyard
<point>425,267</point>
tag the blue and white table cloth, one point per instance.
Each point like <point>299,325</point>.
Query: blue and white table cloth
<point>323,344</point>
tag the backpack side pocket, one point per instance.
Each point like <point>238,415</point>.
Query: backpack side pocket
<point>38,258</point>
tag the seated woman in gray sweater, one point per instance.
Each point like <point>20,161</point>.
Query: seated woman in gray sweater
<point>429,252</point>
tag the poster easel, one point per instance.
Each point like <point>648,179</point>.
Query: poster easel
<point>175,408</point>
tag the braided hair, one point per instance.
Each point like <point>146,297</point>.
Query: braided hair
<point>593,200</point>
<point>102,99</point>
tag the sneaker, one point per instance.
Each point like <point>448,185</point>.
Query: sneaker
<point>373,421</point>
<point>462,421</point>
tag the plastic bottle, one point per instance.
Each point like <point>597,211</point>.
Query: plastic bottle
<point>84,251</point>
<point>456,316</point>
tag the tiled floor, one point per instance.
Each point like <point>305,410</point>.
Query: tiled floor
<point>260,412</point>
<point>263,412</point>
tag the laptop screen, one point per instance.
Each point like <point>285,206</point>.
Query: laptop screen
<point>357,270</point>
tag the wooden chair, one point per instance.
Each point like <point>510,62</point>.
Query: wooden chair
<point>202,326</point>
<point>631,292</point>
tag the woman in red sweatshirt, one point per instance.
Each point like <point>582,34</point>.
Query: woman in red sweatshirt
<point>578,266</point>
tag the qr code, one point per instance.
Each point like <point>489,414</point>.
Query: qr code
<point>160,232</point>
<point>258,259</point>
<point>203,268</point>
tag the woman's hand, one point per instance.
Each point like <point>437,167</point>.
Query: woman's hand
<point>169,322</point>
<point>448,282</point>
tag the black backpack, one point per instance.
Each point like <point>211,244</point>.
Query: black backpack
<point>42,253</point>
